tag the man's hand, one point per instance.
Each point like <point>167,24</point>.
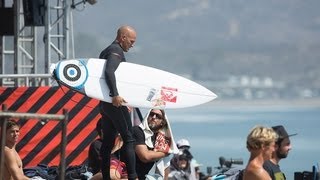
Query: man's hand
<point>162,143</point>
<point>118,101</point>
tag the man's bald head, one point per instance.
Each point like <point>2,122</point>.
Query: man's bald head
<point>126,37</point>
<point>124,30</point>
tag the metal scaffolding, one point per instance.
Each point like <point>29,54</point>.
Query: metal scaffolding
<point>23,56</point>
<point>57,31</point>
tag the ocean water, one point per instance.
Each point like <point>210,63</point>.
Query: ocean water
<point>215,131</point>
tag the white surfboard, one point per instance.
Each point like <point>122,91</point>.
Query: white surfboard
<point>139,85</point>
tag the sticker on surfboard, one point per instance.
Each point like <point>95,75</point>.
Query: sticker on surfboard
<point>169,94</point>
<point>165,94</point>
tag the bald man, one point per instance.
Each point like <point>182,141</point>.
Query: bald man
<point>116,117</point>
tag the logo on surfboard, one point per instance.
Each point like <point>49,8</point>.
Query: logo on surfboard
<point>167,94</point>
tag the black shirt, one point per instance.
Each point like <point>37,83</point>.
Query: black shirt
<point>141,167</point>
<point>274,170</point>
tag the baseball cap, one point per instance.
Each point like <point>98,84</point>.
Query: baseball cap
<point>183,143</point>
<point>281,131</point>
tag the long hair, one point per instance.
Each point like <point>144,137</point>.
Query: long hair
<point>164,120</point>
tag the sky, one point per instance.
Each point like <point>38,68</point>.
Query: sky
<point>254,31</point>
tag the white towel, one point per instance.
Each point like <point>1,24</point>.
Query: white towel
<point>163,163</point>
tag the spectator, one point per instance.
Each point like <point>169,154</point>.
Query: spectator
<point>154,142</point>
<point>13,168</point>
<point>261,145</point>
<point>180,167</point>
<point>184,147</point>
<point>282,148</point>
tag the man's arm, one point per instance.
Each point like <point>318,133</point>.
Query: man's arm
<point>113,61</point>
<point>112,64</point>
<point>146,155</point>
<point>12,165</point>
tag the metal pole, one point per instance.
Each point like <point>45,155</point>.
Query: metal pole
<point>16,10</point>
<point>2,4</point>
<point>63,146</point>
<point>3,139</point>
<point>31,116</point>
<point>66,29</point>
<point>47,37</point>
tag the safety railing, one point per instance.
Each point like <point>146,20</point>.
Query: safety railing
<point>5,115</point>
<point>15,80</point>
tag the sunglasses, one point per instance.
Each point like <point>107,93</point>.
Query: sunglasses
<point>158,116</point>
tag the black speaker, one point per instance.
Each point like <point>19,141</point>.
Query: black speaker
<point>6,22</point>
<point>34,12</point>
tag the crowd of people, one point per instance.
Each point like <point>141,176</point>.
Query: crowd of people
<point>153,143</point>
<point>148,150</point>
<point>267,146</point>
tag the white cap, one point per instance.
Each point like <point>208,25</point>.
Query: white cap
<point>183,143</point>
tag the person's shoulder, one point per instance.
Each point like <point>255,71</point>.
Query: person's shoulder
<point>115,47</point>
<point>10,153</point>
<point>8,150</point>
<point>138,135</point>
<point>252,173</point>
<point>138,132</point>
<point>137,129</point>
<point>112,48</point>
<point>268,164</point>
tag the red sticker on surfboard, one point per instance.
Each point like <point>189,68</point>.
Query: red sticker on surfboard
<point>169,94</point>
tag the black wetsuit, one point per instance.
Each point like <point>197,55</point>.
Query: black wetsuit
<point>115,119</point>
